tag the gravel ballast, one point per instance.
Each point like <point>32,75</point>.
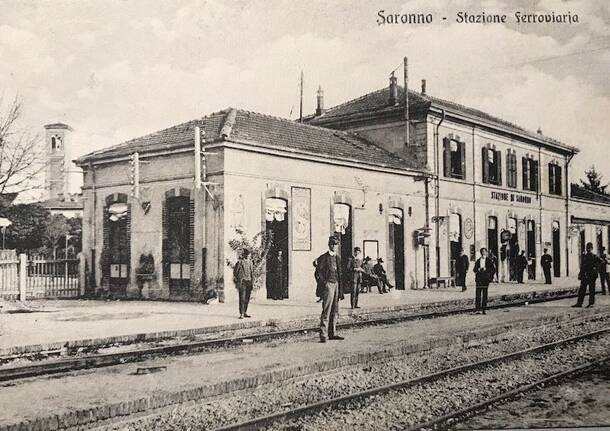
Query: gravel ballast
<point>273,398</point>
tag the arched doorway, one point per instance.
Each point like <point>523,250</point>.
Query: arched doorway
<point>276,224</point>
<point>397,246</point>
<point>342,221</point>
<point>117,246</point>
<point>581,244</point>
<point>513,247</point>
<point>556,249</point>
<point>455,240</point>
<point>531,249</point>
<point>492,239</point>
<point>177,243</point>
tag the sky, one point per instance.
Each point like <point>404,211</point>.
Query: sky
<point>115,70</point>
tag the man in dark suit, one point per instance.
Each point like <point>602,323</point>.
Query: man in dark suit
<point>521,266</point>
<point>355,271</point>
<point>382,277</point>
<point>546,261</point>
<point>328,274</point>
<point>243,274</point>
<point>461,268</point>
<point>587,276</point>
<point>484,271</point>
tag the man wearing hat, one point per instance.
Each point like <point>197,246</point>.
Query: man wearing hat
<point>382,277</point>
<point>355,269</point>
<point>328,274</point>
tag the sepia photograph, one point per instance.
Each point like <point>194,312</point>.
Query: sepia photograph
<point>299,216</point>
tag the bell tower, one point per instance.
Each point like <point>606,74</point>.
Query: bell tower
<point>56,175</point>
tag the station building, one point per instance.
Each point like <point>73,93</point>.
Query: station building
<point>493,184</point>
<point>301,182</point>
<point>414,193</point>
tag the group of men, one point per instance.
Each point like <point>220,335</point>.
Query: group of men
<point>521,263</point>
<point>592,266</point>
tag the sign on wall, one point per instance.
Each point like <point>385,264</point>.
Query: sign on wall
<point>301,219</point>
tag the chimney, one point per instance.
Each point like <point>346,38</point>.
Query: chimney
<point>539,131</point>
<point>320,97</point>
<point>423,87</point>
<point>393,100</point>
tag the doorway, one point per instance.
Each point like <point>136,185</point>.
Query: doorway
<point>397,246</point>
<point>118,247</point>
<point>531,249</point>
<point>599,239</point>
<point>177,256</point>
<point>556,249</point>
<point>513,247</point>
<point>342,220</point>
<point>455,240</point>
<point>492,239</point>
<point>276,224</point>
<point>581,244</point>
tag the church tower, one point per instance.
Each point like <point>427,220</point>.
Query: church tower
<point>56,178</point>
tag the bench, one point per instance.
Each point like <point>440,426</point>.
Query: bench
<point>435,283</point>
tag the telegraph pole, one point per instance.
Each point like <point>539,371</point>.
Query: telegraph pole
<point>406,86</point>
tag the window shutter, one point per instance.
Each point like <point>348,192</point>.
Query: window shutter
<point>463,159</point>
<point>485,165</point>
<point>105,263</point>
<point>551,178</point>
<point>558,182</point>
<point>499,162</point>
<point>192,242</point>
<point>447,157</point>
<point>525,173</point>
<point>534,174</point>
<point>128,240</point>
<point>164,244</point>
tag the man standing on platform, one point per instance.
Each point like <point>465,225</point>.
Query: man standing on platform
<point>545,261</point>
<point>355,270</point>
<point>329,275</point>
<point>484,271</point>
<point>521,266</point>
<point>461,267</point>
<point>243,275</point>
<point>587,276</point>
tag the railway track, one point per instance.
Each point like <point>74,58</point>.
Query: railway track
<point>70,364</point>
<point>447,420</point>
<point>441,422</point>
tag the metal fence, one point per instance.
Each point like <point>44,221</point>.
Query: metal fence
<point>33,278</point>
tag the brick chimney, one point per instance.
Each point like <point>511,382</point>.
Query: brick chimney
<point>320,98</point>
<point>393,100</point>
<point>423,87</point>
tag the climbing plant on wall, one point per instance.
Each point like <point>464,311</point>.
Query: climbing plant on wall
<point>258,246</point>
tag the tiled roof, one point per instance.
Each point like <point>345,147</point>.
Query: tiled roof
<point>377,102</point>
<point>580,192</point>
<point>264,131</point>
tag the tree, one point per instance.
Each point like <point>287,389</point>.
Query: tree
<point>594,181</point>
<point>28,226</point>
<point>56,229</point>
<point>21,156</point>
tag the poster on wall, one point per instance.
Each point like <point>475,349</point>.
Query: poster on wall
<point>301,219</point>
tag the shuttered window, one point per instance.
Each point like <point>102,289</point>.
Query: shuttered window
<point>454,159</point>
<point>492,166</point>
<point>554,179</point>
<point>511,169</point>
<point>530,174</point>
